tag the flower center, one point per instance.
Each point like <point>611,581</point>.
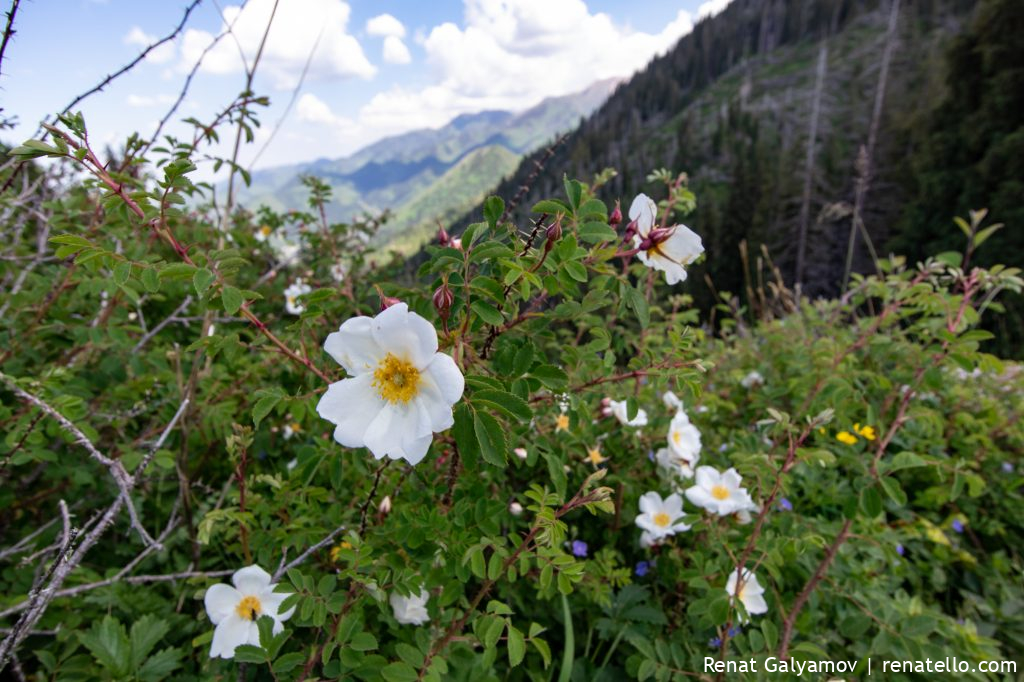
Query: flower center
<point>396,380</point>
<point>661,519</point>
<point>720,492</point>
<point>595,456</point>
<point>676,437</point>
<point>265,230</point>
<point>249,608</point>
<point>296,426</point>
<point>562,422</point>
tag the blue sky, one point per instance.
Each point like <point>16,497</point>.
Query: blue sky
<point>378,68</point>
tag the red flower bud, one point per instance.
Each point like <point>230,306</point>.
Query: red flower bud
<point>553,234</point>
<point>442,236</point>
<point>386,301</point>
<point>443,300</point>
<point>616,217</point>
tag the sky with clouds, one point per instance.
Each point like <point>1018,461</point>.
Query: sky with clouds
<point>371,68</point>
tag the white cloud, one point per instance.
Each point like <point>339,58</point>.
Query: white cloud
<point>143,101</point>
<point>511,54</point>
<point>312,109</point>
<point>385,25</point>
<point>297,27</point>
<point>711,8</point>
<point>160,55</point>
<point>395,51</point>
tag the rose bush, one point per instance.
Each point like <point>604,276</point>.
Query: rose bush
<point>178,407</point>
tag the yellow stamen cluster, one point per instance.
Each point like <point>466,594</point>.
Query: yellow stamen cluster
<point>662,520</point>
<point>720,492</point>
<point>396,380</point>
<point>594,456</point>
<point>265,230</point>
<point>249,608</point>
<point>562,422</point>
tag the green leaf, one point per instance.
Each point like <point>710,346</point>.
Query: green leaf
<point>509,404</point>
<point>33,149</point>
<point>569,652</point>
<point>399,672</point>
<point>232,299</point>
<point>516,646</point>
<point>145,633</point>
<point>491,438</point>
<point>551,206</point>
<point>576,270</point>
<point>160,665</point>
<point>150,280</point>
<point>871,502</point>
<point>573,190</point>
<point>202,280</point>
<point>289,662</point>
<point>247,653</point>
<point>177,271</point>
<point>493,208</point>
<point>551,376</point>
<point>364,641</point>
<point>894,491</point>
<point>596,232</point>
<point>263,407</point>
<point>108,643</point>
<point>464,432</point>
<point>487,312</point>
<point>122,271</point>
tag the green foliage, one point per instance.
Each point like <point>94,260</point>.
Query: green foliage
<point>899,540</point>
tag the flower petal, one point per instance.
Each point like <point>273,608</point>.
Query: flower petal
<point>229,634</point>
<point>447,376</point>
<point>251,580</point>
<point>650,503</point>
<point>220,602</point>
<point>755,603</point>
<point>406,335</point>
<point>707,477</point>
<point>394,427</point>
<point>351,404</point>
<point>354,347</point>
<point>643,210</point>
<point>699,496</point>
<point>271,602</point>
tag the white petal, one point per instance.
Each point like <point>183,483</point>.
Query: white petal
<point>394,427</point>
<point>707,477</point>
<point>683,247</point>
<point>353,346</point>
<point>271,602</point>
<point>416,449</point>
<point>231,633</point>
<point>674,505</point>
<point>755,603</point>
<point>405,334</point>
<point>220,601</point>
<point>701,497</point>
<point>650,503</point>
<point>644,211</point>
<point>732,479</point>
<point>351,404</point>
<point>447,376</point>
<point>251,580</point>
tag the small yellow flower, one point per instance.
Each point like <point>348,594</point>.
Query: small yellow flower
<point>821,430</point>
<point>561,423</point>
<point>846,437</point>
<point>336,550</point>
<point>594,457</point>
<point>866,432</point>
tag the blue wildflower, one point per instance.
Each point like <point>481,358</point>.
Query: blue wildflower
<point>642,568</point>
<point>579,548</point>
<point>957,526</point>
<point>715,642</point>
<point>785,504</point>
<point>900,550</point>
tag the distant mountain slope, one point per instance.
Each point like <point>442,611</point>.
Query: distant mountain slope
<point>733,104</point>
<point>397,170</point>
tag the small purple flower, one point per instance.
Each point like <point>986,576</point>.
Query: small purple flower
<point>1007,468</point>
<point>642,568</point>
<point>900,550</point>
<point>715,642</point>
<point>579,548</point>
<point>957,526</point>
<point>785,504</point>
<point>735,630</point>
<point>650,455</point>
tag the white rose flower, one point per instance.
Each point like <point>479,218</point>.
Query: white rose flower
<point>618,408</point>
<point>750,592</point>
<point>672,401</point>
<point>684,439</point>
<point>235,610</point>
<point>411,610</point>
<point>673,465</point>
<point>339,272</point>
<point>262,233</point>
<point>670,250</point>
<point>718,493</point>
<point>286,249</point>
<point>400,391</point>
<point>751,380</point>
<point>292,293</point>
<point>661,517</point>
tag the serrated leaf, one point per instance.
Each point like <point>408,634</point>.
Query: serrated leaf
<point>232,299</point>
<point>516,646</point>
<point>202,280</point>
<point>491,439</point>
<point>507,403</point>
<point>487,312</point>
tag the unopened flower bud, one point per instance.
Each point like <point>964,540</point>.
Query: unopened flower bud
<point>630,230</point>
<point>456,244</point>
<point>553,234</point>
<point>515,509</point>
<point>616,217</point>
<point>443,300</point>
<point>442,236</point>
<point>521,453</point>
<point>385,505</point>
